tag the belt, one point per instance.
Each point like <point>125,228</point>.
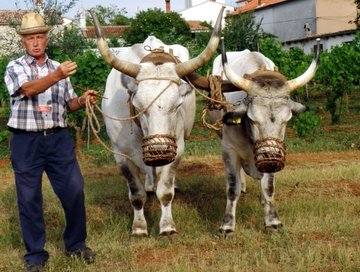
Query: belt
<point>44,132</point>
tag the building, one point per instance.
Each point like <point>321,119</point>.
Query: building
<point>205,11</point>
<point>299,22</point>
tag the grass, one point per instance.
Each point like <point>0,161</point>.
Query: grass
<point>318,204</point>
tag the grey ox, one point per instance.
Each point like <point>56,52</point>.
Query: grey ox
<point>252,137</point>
<point>149,86</point>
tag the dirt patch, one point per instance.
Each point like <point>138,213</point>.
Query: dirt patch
<point>209,166</point>
<point>307,159</point>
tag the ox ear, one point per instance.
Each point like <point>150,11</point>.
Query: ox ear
<point>297,108</point>
<point>128,82</point>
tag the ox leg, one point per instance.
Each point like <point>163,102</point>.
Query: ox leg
<point>137,196</point>
<point>165,192</point>
<point>268,191</point>
<point>233,190</point>
<point>150,181</point>
<point>243,181</point>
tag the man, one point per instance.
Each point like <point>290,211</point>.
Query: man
<point>40,96</point>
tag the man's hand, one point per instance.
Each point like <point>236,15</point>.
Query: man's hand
<point>66,69</point>
<point>90,94</point>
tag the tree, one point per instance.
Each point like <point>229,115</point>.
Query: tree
<point>52,10</point>
<point>242,32</point>
<point>168,27</point>
<point>109,16</point>
<point>339,72</point>
<point>67,44</point>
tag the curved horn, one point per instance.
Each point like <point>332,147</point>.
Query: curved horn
<point>238,81</point>
<point>125,67</point>
<point>183,69</point>
<point>309,73</point>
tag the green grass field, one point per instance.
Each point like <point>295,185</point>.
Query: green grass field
<point>317,199</point>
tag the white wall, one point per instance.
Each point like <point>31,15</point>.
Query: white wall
<point>207,11</point>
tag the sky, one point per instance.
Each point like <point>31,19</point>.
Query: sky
<point>131,6</point>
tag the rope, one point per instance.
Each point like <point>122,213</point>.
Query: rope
<point>90,114</point>
<point>217,103</point>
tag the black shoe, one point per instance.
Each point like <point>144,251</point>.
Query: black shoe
<point>34,268</point>
<point>86,254</point>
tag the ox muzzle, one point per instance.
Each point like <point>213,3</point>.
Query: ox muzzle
<point>269,155</point>
<point>159,149</point>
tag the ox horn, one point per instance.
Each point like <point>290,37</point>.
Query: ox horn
<point>185,68</point>
<point>238,81</point>
<point>125,67</point>
<point>308,74</point>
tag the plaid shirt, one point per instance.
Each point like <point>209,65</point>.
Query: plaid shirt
<point>24,110</point>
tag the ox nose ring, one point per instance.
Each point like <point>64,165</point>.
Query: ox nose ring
<point>269,155</point>
<point>159,149</point>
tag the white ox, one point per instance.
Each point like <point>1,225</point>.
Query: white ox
<point>150,85</point>
<point>252,136</point>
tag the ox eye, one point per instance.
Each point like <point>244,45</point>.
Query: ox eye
<point>178,106</point>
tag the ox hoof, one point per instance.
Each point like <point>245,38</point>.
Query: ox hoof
<point>139,235</point>
<point>226,233</point>
<point>273,228</point>
<point>168,235</point>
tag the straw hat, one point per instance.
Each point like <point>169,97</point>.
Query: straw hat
<point>32,23</point>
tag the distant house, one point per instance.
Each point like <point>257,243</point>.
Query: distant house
<point>299,22</point>
<point>109,32</point>
<point>205,11</point>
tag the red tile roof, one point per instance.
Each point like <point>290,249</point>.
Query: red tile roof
<point>109,31</point>
<point>256,4</point>
<point>196,26</point>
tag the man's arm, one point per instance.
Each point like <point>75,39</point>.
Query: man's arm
<point>39,85</point>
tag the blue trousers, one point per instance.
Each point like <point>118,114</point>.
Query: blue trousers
<point>32,154</point>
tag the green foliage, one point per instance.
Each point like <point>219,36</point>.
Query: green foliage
<point>4,135</point>
<point>67,44</point>
<point>242,32</point>
<point>337,76</point>
<point>168,27</point>
<point>4,95</point>
<point>91,73</point>
<point>109,16</point>
<point>306,124</point>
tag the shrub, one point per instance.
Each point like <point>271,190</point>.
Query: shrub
<point>306,124</point>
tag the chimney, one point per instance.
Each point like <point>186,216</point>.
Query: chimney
<point>167,6</point>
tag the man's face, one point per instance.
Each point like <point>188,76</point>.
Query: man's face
<point>35,44</point>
